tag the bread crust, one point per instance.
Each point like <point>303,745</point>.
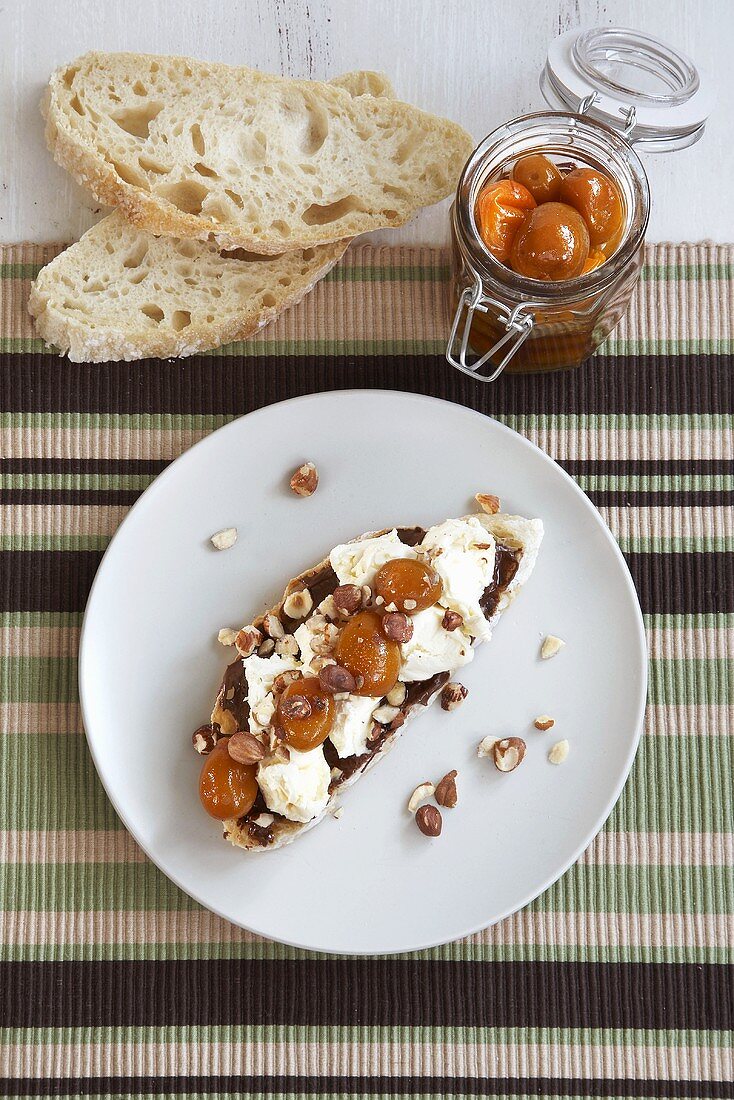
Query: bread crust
<point>97,342</point>
<point>154,213</point>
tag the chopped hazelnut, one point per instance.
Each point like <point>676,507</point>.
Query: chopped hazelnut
<point>551,645</point>
<point>420,794</point>
<point>488,502</point>
<point>558,752</point>
<point>226,636</point>
<point>298,604</point>
<point>453,695</point>
<point>509,753</point>
<point>305,480</point>
<point>544,722</point>
<point>245,748</point>
<point>247,640</point>
<point>429,821</point>
<point>446,794</point>
<point>222,540</point>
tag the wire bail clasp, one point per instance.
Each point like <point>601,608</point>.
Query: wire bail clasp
<point>518,324</point>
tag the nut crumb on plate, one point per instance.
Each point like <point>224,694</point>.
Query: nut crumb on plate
<point>420,794</point>
<point>305,480</point>
<point>558,752</point>
<point>508,753</point>
<point>222,540</point>
<point>544,722</point>
<point>488,502</point>
<point>486,746</point>
<point>551,645</point>
<point>429,820</point>
<point>446,794</point>
<point>226,636</point>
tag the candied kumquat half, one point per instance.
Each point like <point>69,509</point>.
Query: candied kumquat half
<point>409,584</point>
<point>226,788</point>
<point>364,650</point>
<point>305,713</point>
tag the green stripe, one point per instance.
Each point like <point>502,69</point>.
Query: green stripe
<point>22,620</point>
<point>430,273</point>
<point>678,783</point>
<point>674,1038</point>
<point>97,482</point>
<point>687,544</point>
<point>54,542</point>
<point>522,422</point>
<point>692,952</point>
<point>86,887</point>
<point>676,681</point>
<point>102,482</point>
<point>258,348</point>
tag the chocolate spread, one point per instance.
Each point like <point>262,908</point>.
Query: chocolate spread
<point>321,582</point>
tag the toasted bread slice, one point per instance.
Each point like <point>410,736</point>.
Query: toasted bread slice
<point>194,149</point>
<point>121,293</point>
<point>517,543</point>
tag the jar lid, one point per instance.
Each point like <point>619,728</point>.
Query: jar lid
<point>633,82</point>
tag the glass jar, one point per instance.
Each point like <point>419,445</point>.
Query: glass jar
<point>616,86</point>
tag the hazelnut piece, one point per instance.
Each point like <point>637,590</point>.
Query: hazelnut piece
<point>247,640</point>
<point>508,753</point>
<point>488,502</point>
<point>245,748</point>
<point>298,604</point>
<point>429,821</point>
<point>452,620</point>
<point>453,695</point>
<point>305,480</point>
<point>348,598</point>
<point>397,627</point>
<point>335,679</point>
<point>205,738</point>
<point>446,794</point>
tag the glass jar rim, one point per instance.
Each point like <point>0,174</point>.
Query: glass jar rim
<point>536,290</point>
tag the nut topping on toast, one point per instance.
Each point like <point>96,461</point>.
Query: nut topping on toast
<point>298,604</point>
<point>396,696</point>
<point>247,640</point>
<point>348,598</point>
<point>245,748</point>
<point>336,679</point>
<point>429,821</point>
<point>295,706</point>
<point>205,738</point>
<point>227,636</point>
<point>452,620</point>
<point>272,626</point>
<point>305,480</point>
<point>397,626</point>
<point>453,695</point>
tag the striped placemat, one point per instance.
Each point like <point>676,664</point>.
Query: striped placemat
<point>618,981</point>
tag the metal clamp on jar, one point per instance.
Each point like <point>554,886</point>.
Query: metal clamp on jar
<point>610,89</point>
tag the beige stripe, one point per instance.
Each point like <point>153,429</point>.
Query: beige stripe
<point>612,848</point>
<point>661,849</point>
<point>667,523</point>
<point>528,927</point>
<point>61,519</point>
<point>694,721</point>
<point>67,846</point>
<point>103,520</point>
<point>701,721</point>
<point>333,310</point>
<point>561,443</point>
<point>418,1058</point>
<point>24,718</point>
<point>341,310</point>
<point>663,642</point>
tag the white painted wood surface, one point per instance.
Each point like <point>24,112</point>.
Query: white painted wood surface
<point>476,61</point>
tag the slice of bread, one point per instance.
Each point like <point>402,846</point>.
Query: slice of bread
<point>95,324</point>
<point>121,293</point>
<point>195,149</point>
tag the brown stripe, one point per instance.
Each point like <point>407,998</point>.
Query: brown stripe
<point>596,467</point>
<point>388,992</point>
<point>32,382</point>
<point>59,580</point>
<point>299,1085</point>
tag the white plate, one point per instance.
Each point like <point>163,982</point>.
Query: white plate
<point>370,882</point>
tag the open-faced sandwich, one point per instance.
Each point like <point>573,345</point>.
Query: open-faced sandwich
<point>324,683</point>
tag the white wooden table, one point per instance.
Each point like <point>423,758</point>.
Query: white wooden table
<point>476,61</point>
